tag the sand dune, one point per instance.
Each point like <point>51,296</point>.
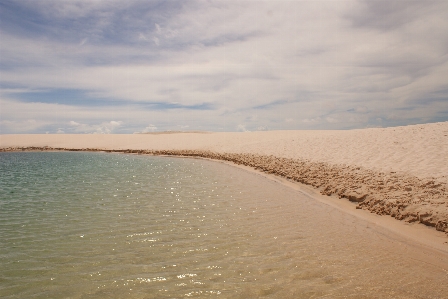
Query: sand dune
<point>400,171</point>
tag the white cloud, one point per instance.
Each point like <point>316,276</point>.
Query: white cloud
<point>74,123</point>
<point>312,120</point>
<point>21,126</point>
<point>83,41</point>
<point>339,65</point>
<point>103,128</point>
<point>141,36</point>
<point>150,128</point>
<point>241,128</point>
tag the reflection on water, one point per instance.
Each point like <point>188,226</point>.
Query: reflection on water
<point>95,225</point>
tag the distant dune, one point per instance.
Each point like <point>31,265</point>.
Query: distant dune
<point>173,132</point>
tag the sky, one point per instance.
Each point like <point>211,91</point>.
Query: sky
<point>145,66</point>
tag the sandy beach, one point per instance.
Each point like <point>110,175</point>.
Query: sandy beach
<point>397,171</point>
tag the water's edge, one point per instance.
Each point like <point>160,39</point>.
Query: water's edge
<point>407,198</point>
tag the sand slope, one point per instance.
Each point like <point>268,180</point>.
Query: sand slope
<point>401,171</point>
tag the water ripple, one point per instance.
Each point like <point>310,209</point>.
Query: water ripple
<point>96,225</point>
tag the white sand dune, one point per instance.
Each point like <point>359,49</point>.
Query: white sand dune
<point>419,150</point>
<point>399,171</point>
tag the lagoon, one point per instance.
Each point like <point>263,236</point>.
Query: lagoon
<point>98,225</point>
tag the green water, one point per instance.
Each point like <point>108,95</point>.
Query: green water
<point>97,225</point>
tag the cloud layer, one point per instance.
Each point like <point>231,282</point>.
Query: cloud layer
<point>124,67</point>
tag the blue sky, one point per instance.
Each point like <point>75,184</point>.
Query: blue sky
<point>142,66</point>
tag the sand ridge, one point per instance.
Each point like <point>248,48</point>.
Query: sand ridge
<point>401,171</point>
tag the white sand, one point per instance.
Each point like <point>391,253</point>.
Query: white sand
<point>419,150</point>
<point>417,153</point>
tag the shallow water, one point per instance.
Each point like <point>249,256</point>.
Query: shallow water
<point>97,225</point>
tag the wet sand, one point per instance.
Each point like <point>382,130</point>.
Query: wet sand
<point>401,172</point>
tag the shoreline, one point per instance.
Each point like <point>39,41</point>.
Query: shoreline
<point>415,150</point>
<point>418,233</point>
<point>398,171</point>
<point>378,193</point>
<point>415,235</point>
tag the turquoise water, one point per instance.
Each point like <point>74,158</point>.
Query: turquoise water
<point>97,225</point>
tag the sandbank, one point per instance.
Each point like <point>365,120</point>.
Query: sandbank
<point>400,171</point>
